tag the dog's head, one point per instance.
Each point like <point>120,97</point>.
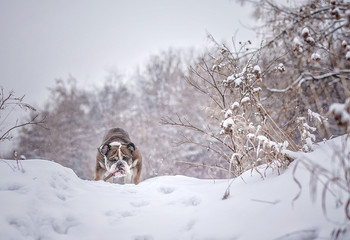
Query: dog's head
<point>118,157</point>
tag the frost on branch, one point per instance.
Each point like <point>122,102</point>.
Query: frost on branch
<point>316,116</point>
<point>307,136</point>
<point>305,126</point>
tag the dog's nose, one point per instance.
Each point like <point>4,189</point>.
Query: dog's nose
<point>119,164</point>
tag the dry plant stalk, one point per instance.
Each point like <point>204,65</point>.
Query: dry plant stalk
<point>9,100</point>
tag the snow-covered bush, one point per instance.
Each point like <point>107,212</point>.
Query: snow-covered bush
<point>310,39</point>
<point>246,125</point>
<point>260,97</point>
<point>240,130</point>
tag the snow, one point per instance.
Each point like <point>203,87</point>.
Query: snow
<point>278,146</point>
<point>228,113</point>
<point>228,123</point>
<point>236,78</point>
<point>316,116</point>
<point>340,110</point>
<point>245,99</point>
<point>297,41</point>
<point>257,69</point>
<point>40,199</point>
<point>258,89</point>
<point>310,40</point>
<point>316,57</point>
<point>305,32</point>
<point>281,67</point>
<point>235,105</point>
<point>238,81</point>
<point>344,44</point>
<point>347,56</point>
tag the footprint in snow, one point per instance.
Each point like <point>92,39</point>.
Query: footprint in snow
<point>127,214</point>
<point>139,204</point>
<point>144,237</point>
<point>193,201</point>
<point>118,214</point>
<point>166,190</point>
<point>190,225</point>
<point>20,225</point>
<point>20,188</point>
<point>61,197</point>
<point>61,226</point>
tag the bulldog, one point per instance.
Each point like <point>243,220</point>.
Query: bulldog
<point>118,157</point>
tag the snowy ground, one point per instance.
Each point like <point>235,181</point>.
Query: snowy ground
<point>48,201</point>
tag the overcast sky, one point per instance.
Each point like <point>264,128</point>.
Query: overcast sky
<point>42,40</point>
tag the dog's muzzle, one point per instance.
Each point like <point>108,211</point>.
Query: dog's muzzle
<point>120,169</point>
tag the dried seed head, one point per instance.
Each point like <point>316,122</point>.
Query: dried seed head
<point>347,55</point>
<point>281,67</point>
<point>344,44</point>
<point>316,57</point>
<point>257,71</point>
<point>305,32</point>
<point>310,41</point>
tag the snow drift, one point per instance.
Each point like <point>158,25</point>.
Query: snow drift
<point>42,200</point>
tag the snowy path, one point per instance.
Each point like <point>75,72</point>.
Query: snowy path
<point>49,201</point>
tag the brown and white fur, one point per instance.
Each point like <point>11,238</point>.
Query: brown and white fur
<point>118,157</point>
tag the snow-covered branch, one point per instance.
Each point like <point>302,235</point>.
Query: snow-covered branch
<point>304,77</point>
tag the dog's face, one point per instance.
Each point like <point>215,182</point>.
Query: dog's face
<point>118,157</point>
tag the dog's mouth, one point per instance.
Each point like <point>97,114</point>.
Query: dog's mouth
<point>120,172</point>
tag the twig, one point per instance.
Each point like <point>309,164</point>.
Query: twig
<point>31,122</point>
<point>108,177</point>
<point>203,165</point>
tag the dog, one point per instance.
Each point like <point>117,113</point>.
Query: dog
<point>118,157</point>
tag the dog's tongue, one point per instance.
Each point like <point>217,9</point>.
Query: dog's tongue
<point>119,171</point>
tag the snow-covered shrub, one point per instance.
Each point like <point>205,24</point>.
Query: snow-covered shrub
<point>245,123</point>
<point>310,38</point>
<point>240,130</point>
<point>260,97</point>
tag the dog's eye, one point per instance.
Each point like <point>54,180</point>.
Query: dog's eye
<point>113,159</point>
<point>125,158</point>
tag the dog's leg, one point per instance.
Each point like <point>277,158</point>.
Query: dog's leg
<point>98,172</point>
<point>137,176</point>
<point>97,176</point>
<point>127,178</point>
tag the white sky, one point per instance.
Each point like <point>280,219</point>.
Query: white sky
<point>42,40</point>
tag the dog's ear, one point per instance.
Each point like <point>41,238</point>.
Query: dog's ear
<point>131,147</point>
<point>103,149</point>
